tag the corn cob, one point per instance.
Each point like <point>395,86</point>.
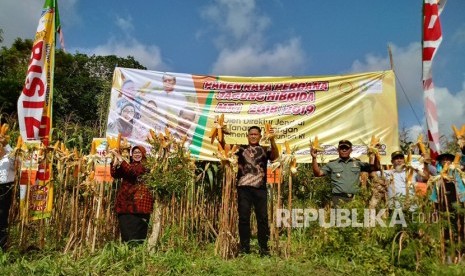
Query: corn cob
<point>374,141</point>
<point>457,157</point>
<point>267,129</point>
<point>3,129</point>
<point>114,143</point>
<point>220,128</point>
<point>4,138</point>
<point>19,142</point>
<point>91,175</point>
<point>316,145</point>
<point>93,149</point>
<point>459,133</point>
<point>420,144</point>
<point>288,148</point>
<point>293,165</point>
<point>56,146</point>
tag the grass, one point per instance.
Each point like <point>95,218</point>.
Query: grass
<point>120,259</point>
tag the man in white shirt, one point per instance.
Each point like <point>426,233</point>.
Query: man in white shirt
<point>7,177</point>
<point>400,190</point>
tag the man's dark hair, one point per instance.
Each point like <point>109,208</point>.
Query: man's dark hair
<point>255,127</point>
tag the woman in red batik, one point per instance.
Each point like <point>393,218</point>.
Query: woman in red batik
<point>134,201</point>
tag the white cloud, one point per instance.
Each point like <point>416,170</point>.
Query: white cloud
<point>147,55</point>
<point>20,18</point>
<point>241,42</point>
<point>407,65</point>
<point>24,27</point>
<point>247,60</point>
<point>125,24</point>
<point>459,36</point>
<point>414,131</point>
<point>236,20</point>
<point>451,108</point>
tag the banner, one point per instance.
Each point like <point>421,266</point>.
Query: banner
<point>432,38</point>
<point>35,101</point>
<point>102,164</point>
<point>353,107</point>
<point>35,107</point>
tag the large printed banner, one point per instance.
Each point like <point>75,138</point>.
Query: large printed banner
<point>352,107</point>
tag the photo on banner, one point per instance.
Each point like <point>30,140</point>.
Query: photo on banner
<point>333,108</point>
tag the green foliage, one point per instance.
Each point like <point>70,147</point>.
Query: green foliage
<point>82,87</point>
<point>209,175</point>
<point>171,168</point>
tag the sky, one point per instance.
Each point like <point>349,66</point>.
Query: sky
<point>268,38</point>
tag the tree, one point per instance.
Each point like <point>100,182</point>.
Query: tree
<point>82,87</point>
<point>13,69</point>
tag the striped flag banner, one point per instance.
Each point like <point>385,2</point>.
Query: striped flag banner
<point>35,110</point>
<point>432,38</point>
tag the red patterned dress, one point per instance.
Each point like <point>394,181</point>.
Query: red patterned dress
<point>134,201</point>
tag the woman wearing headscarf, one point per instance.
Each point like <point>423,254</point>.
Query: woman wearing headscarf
<point>134,201</point>
<point>125,122</point>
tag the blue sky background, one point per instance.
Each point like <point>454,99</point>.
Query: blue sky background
<point>268,38</point>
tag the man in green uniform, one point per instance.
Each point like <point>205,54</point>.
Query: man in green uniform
<point>344,172</point>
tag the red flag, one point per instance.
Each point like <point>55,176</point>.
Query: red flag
<point>432,37</point>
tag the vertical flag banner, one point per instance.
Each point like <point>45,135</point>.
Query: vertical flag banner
<point>35,101</point>
<point>432,38</point>
<point>35,107</point>
<point>353,107</point>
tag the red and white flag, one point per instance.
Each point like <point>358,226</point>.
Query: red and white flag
<point>432,38</point>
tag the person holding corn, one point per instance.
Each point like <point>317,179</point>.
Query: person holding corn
<point>134,201</point>
<point>344,172</point>
<point>251,188</point>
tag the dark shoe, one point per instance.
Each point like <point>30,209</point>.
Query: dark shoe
<point>244,251</point>
<point>265,253</point>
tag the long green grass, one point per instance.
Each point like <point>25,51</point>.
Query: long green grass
<point>308,256</point>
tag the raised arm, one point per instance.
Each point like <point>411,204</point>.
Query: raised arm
<point>316,168</point>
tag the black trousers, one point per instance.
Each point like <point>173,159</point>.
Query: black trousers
<point>338,200</point>
<point>248,197</point>
<point>133,227</point>
<point>5,203</point>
